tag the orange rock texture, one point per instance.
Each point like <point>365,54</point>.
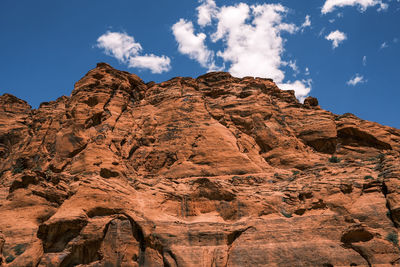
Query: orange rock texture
<point>213,171</point>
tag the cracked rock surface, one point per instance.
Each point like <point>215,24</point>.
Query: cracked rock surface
<point>213,171</point>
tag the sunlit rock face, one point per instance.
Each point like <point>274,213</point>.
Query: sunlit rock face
<point>213,171</point>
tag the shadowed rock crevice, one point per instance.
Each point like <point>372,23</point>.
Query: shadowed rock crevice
<point>393,214</point>
<point>91,101</point>
<point>120,241</point>
<point>352,239</point>
<point>361,253</point>
<point>324,145</point>
<point>235,235</point>
<point>107,173</point>
<point>77,151</point>
<point>231,238</point>
<point>95,120</point>
<point>23,182</point>
<point>203,187</point>
<point>82,254</point>
<point>55,235</point>
<point>356,235</point>
<point>357,137</point>
<point>169,259</point>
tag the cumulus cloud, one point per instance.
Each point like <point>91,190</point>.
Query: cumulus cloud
<point>301,88</point>
<point>252,49</point>
<point>356,80</point>
<point>119,45</point>
<point>124,48</point>
<point>157,64</point>
<point>307,22</point>
<point>336,37</point>
<point>364,60</point>
<point>331,5</point>
<point>206,12</point>
<point>192,44</point>
<point>251,38</point>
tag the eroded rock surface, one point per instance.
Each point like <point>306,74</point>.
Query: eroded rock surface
<point>213,171</point>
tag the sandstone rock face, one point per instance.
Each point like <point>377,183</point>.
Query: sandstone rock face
<point>213,171</point>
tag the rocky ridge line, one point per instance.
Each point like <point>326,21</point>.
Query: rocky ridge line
<point>213,171</point>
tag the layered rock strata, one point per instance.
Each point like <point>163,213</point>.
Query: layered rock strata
<point>213,171</point>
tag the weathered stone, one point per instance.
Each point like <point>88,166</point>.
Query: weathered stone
<point>213,171</point>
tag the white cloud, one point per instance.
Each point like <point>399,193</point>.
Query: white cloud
<point>191,44</point>
<point>206,12</point>
<point>307,22</point>
<point>124,48</point>
<point>251,40</point>
<point>301,88</point>
<point>331,5</point>
<point>364,60</point>
<point>336,37</point>
<point>356,80</point>
<point>383,6</point>
<point>119,45</point>
<point>384,45</point>
<point>251,35</point>
<point>152,62</point>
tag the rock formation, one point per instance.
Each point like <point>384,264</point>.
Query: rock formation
<point>213,171</point>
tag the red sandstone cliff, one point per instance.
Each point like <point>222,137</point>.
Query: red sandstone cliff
<point>213,171</point>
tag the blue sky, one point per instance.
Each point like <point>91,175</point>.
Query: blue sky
<point>344,52</point>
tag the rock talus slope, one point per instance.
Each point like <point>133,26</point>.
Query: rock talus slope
<point>213,171</point>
